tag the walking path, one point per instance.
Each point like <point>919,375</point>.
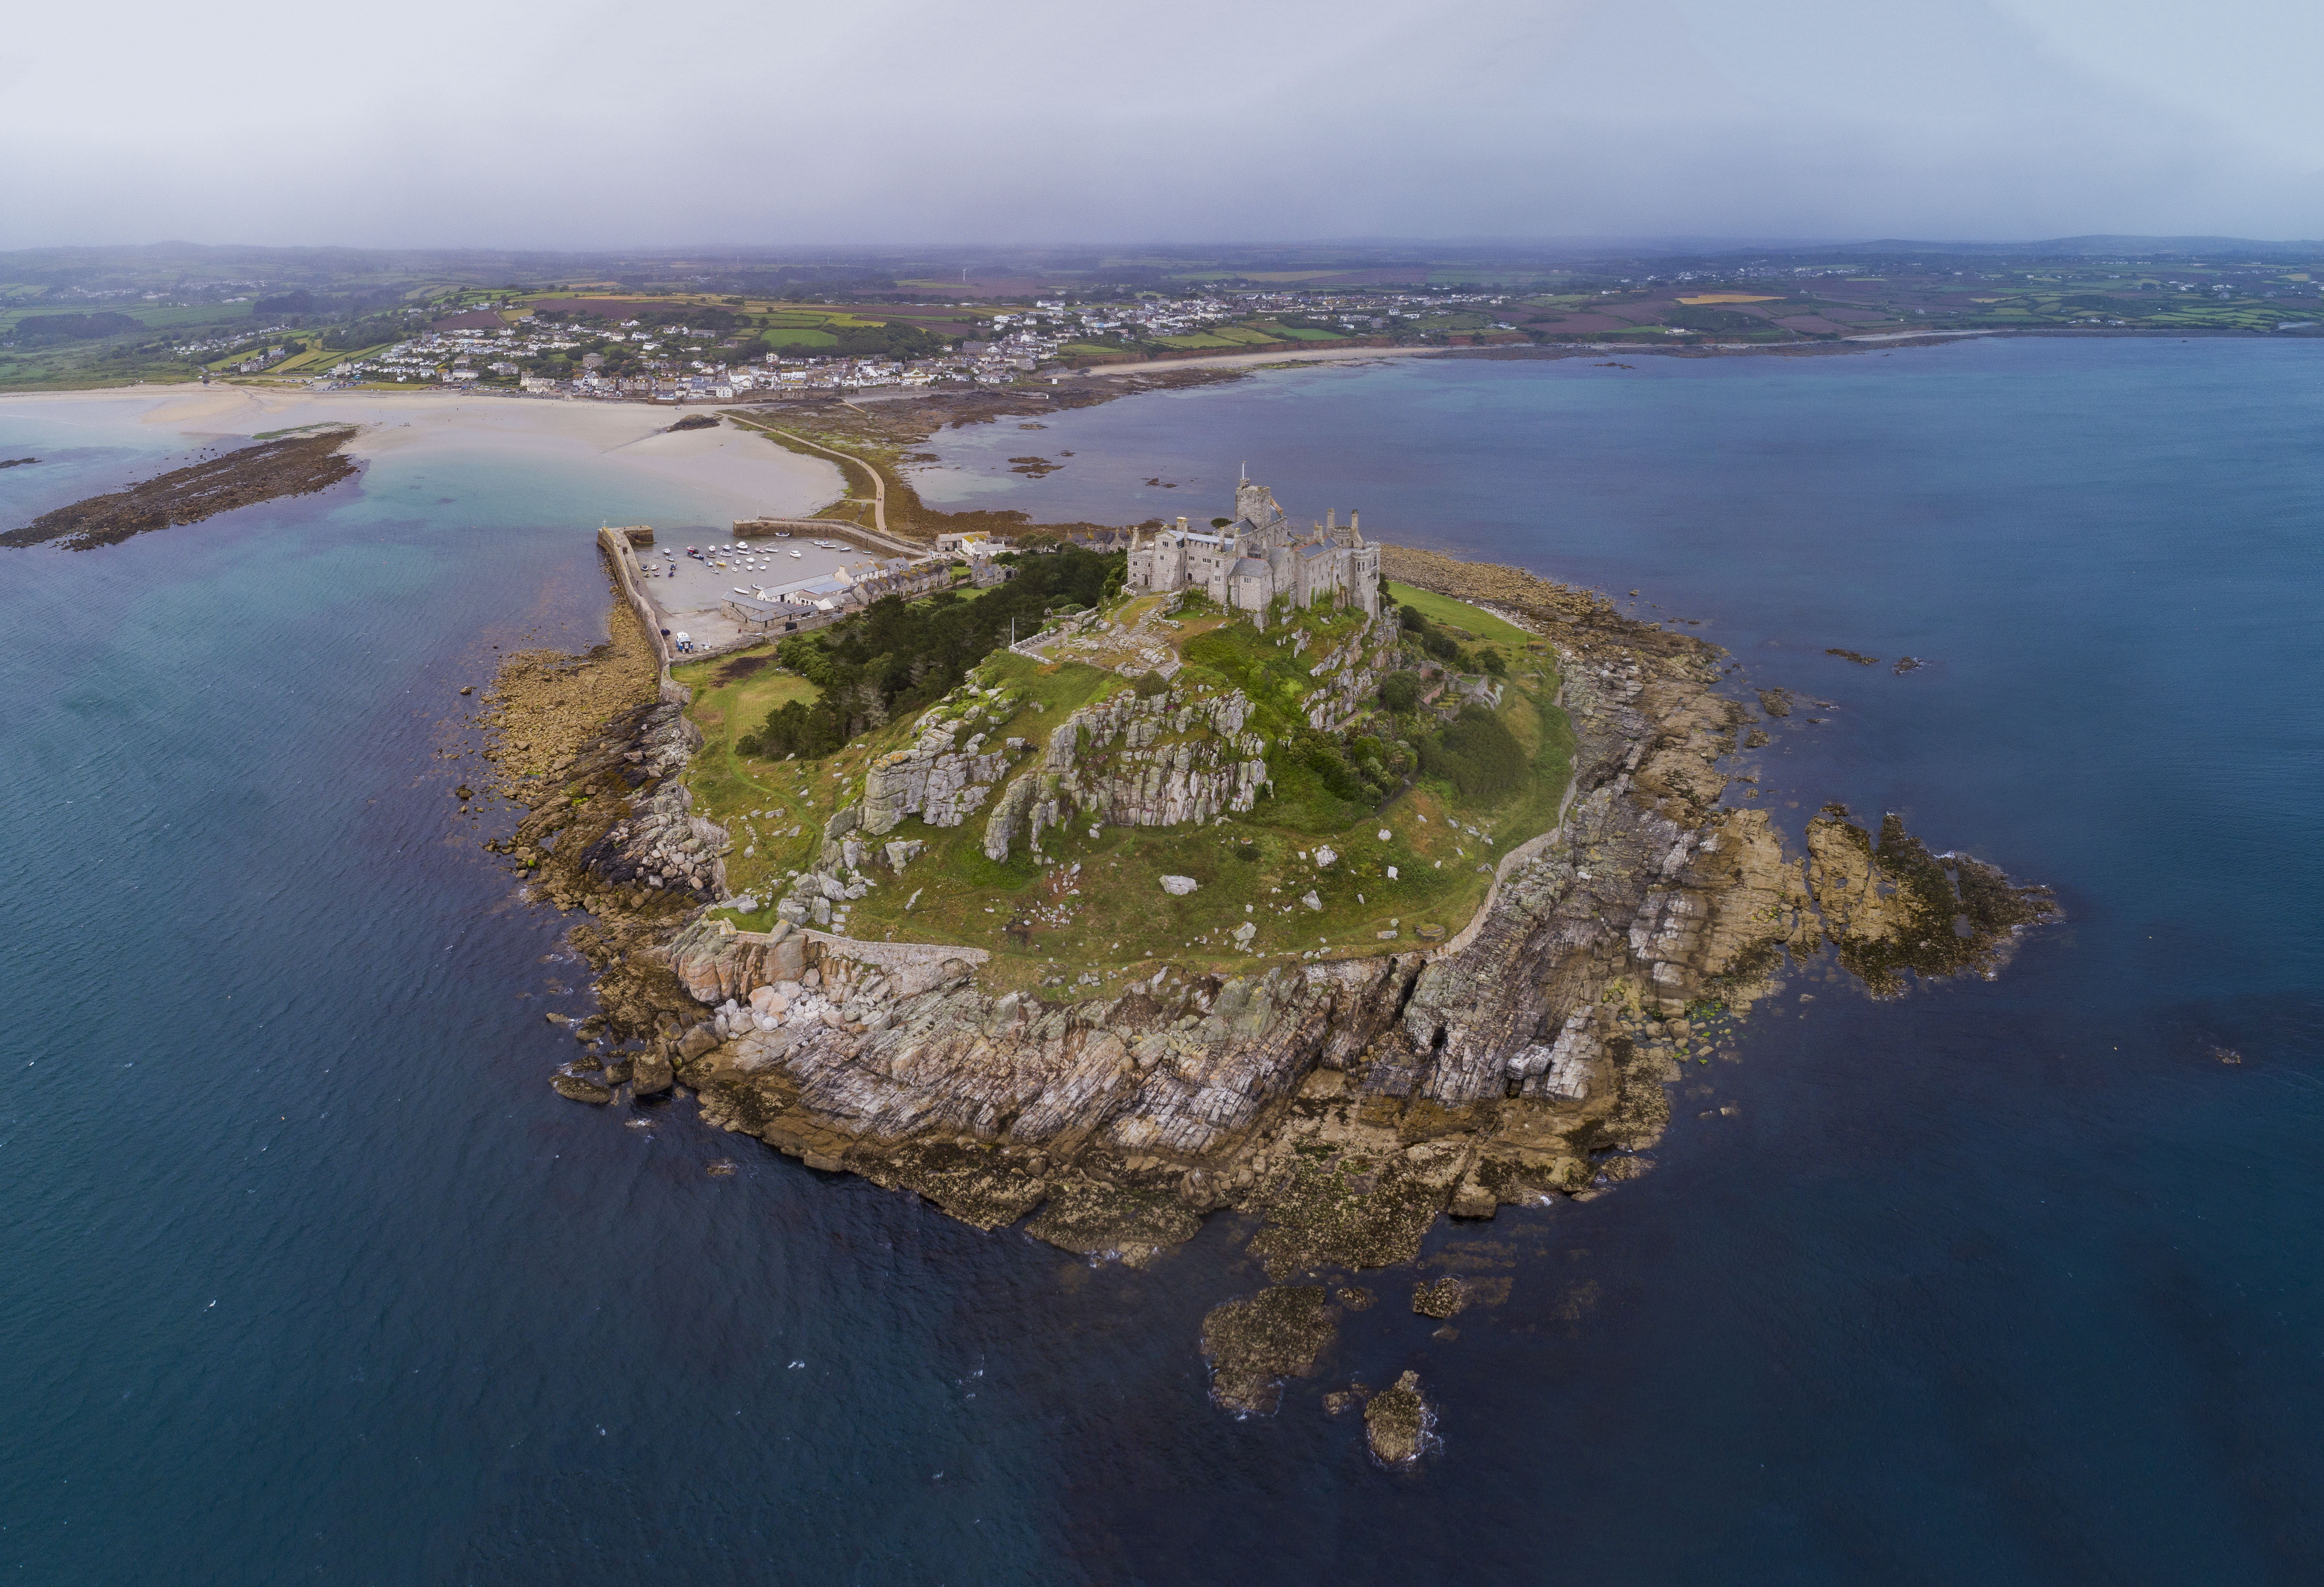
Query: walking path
<point>878,485</point>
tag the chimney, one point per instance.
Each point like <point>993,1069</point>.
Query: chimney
<point>1351,521</point>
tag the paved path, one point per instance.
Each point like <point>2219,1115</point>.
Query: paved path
<point>878,485</point>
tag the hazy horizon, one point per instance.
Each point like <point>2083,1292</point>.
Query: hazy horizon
<point>1576,122</point>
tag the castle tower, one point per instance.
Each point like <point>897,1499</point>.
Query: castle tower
<point>1363,569</point>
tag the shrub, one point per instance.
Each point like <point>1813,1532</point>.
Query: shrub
<point>1400,691</point>
<point>899,656</point>
<point>1476,755</point>
<point>1445,649</point>
<point>1331,764</point>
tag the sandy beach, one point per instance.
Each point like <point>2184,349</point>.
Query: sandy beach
<point>744,474</point>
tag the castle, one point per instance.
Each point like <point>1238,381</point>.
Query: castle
<point>1245,564</point>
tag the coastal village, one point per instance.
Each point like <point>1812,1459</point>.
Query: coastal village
<point>833,328</point>
<point>599,349</point>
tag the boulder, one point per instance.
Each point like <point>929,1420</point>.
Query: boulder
<point>1178,887</point>
<point>1471,1199</point>
<point>1397,1422</point>
<point>651,1073</point>
<point>574,1089</point>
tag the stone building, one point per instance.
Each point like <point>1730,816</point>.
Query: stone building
<point>1245,564</point>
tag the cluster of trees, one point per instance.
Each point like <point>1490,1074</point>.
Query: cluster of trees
<point>899,656</point>
<point>1444,647</point>
<point>1361,770</point>
<point>47,330</point>
<point>1477,753</point>
<point>895,339</point>
<point>368,332</point>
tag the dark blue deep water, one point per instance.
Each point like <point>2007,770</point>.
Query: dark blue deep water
<point>310,1277</point>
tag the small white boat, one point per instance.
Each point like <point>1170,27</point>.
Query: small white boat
<point>782,534</point>
<point>741,591</point>
<point>794,553</point>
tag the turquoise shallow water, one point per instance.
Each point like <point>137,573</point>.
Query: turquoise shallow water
<point>311,1276</point>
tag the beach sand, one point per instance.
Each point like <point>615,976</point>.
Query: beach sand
<point>743,473</point>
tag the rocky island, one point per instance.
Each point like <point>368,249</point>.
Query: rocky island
<point>293,465</point>
<point>1367,905</point>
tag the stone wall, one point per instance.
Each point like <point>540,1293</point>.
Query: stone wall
<point>719,962</point>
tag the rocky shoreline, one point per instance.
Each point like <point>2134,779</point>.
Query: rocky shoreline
<point>1345,1103</point>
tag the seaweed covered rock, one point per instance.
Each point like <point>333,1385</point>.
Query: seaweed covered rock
<point>1254,1344</point>
<point>1442,1299</point>
<point>573,1088</point>
<point>1398,1422</point>
<point>1894,907</point>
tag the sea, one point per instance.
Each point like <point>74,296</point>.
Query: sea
<point>310,1276</point>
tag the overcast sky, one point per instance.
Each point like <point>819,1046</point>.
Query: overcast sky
<point>758,122</point>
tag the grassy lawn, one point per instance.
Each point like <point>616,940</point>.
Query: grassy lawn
<point>733,695</point>
<point>1097,905</point>
<point>1444,609</point>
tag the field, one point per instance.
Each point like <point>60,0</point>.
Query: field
<point>1097,907</point>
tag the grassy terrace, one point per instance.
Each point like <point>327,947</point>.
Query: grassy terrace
<point>1096,905</point>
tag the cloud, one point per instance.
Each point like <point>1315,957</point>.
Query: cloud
<point>904,121</point>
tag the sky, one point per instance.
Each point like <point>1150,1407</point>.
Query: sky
<point>767,123</point>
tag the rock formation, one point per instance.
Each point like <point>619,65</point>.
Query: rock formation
<point>1398,1422</point>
